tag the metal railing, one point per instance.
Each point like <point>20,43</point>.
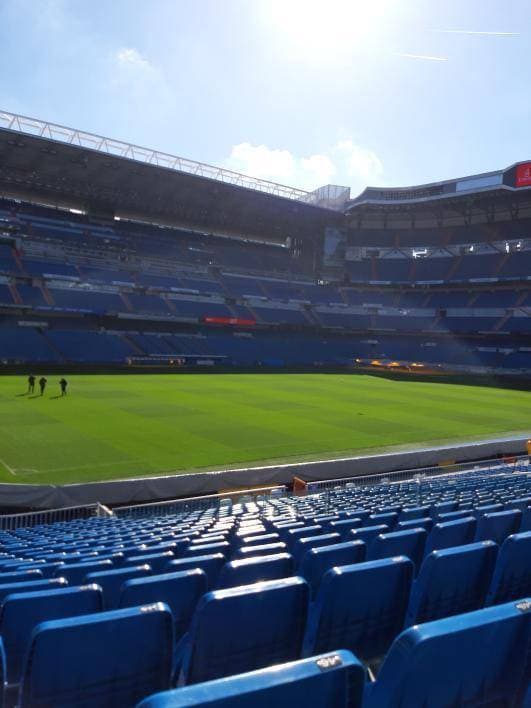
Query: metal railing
<point>10,522</point>
<point>204,503</point>
<point>514,464</point>
<point>119,148</point>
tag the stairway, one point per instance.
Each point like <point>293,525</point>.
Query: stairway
<point>126,302</point>
<point>47,295</point>
<point>52,345</point>
<point>15,294</point>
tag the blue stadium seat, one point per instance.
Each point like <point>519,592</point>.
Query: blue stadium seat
<point>245,628</point>
<point>180,591</point>
<point>21,612</point>
<point>343,526</point>
<point>412,513</point>
<point>51,583</point>
<point>157,561</point>
<point>267,549</point>
<point>303,545</point>
<point>294,534</point>
<point>367,533</point>
<point>47,569</point>
<point>426,523</point>
<point>497,526</point>
<point>452,581</point>
<point>360,607</point>
<point>111,582</point>
<point>210,564</point>
<point>21,576</point>
<point>258,539</point>
<point>255,569</point>
<point>100,660</point>
<point>475,659</point>
<point>521,503</point>
<point>204,549</point>
<point>318,561</point>
<point>408,543</point>
<point>329,681</point>
<point>512,574</point>
<point>390,519</point>
<point>526,520</point>
<point>451,533</point>
<point>76,573</point>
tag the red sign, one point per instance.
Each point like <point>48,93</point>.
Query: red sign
<point>523,175</point>
<point>229,321</point>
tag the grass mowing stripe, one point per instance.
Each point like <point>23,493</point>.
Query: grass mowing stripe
<point>111,427</point>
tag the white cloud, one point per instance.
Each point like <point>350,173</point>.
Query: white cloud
<point>262,162</point>
<point>343,163</point>
<point>128,56</point>
<point>361,163</point>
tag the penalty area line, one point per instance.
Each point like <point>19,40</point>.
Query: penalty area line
<point>11,470</point>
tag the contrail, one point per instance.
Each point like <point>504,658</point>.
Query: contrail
<point>488,34</point>
<point>425,57</point>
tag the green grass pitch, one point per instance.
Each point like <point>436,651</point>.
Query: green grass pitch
<point>111,427</point>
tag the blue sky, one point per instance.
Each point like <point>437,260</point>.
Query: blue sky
<point>354,92</point>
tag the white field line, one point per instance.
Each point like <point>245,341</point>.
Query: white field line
<point>11,470</point>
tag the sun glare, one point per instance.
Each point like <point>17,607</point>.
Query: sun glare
<point>325,30</point>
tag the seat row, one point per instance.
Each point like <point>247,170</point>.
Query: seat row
<point>125,658</point>
<point>340,601</point>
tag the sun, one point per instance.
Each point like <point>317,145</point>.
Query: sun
<point>326,29</point>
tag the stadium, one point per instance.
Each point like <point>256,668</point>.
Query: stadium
<point>303,410</point>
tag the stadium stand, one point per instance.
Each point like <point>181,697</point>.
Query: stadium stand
<point>352,621</point>
<point>452,297</point>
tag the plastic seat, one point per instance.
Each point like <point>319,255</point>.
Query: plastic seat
<point>111,582</point>
<point>498,525</point>
<point>303,545</point>
<point>451,533</point>
<point>21,576</point>
<point>255,569</point>
<point>294,534</point>
<point>512,575</point>
<point>329,681</point>
<point>390,519</point>
<point>209,564</point>
<point>367,533</point>
<point>360,607</point>
<point>51,583</point>
<point>102,660</point>
<point>258,539</point>
<point>156,561</point>
<point>317,561</point>
<point>474,659</point>
<point>343,526</point>
<point>267,549</point>
<point>452,581</point>
<point>425,522</point>
<point>408,543</point>
<point>245,628</point>
<point>411,513</point>
<point>526,520</point>
<point>180,591</point>
<point>203,549</point>
<point>76,573</point>
<point>21,612</point>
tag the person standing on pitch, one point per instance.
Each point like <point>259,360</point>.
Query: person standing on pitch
<point>63,383</point>
<point>31,383</point>
<point>42,384</point>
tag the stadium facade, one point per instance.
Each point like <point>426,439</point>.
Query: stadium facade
<point>114,255</point>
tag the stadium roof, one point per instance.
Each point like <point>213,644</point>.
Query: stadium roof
<point>41,161</point>
<point>490,197</point>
